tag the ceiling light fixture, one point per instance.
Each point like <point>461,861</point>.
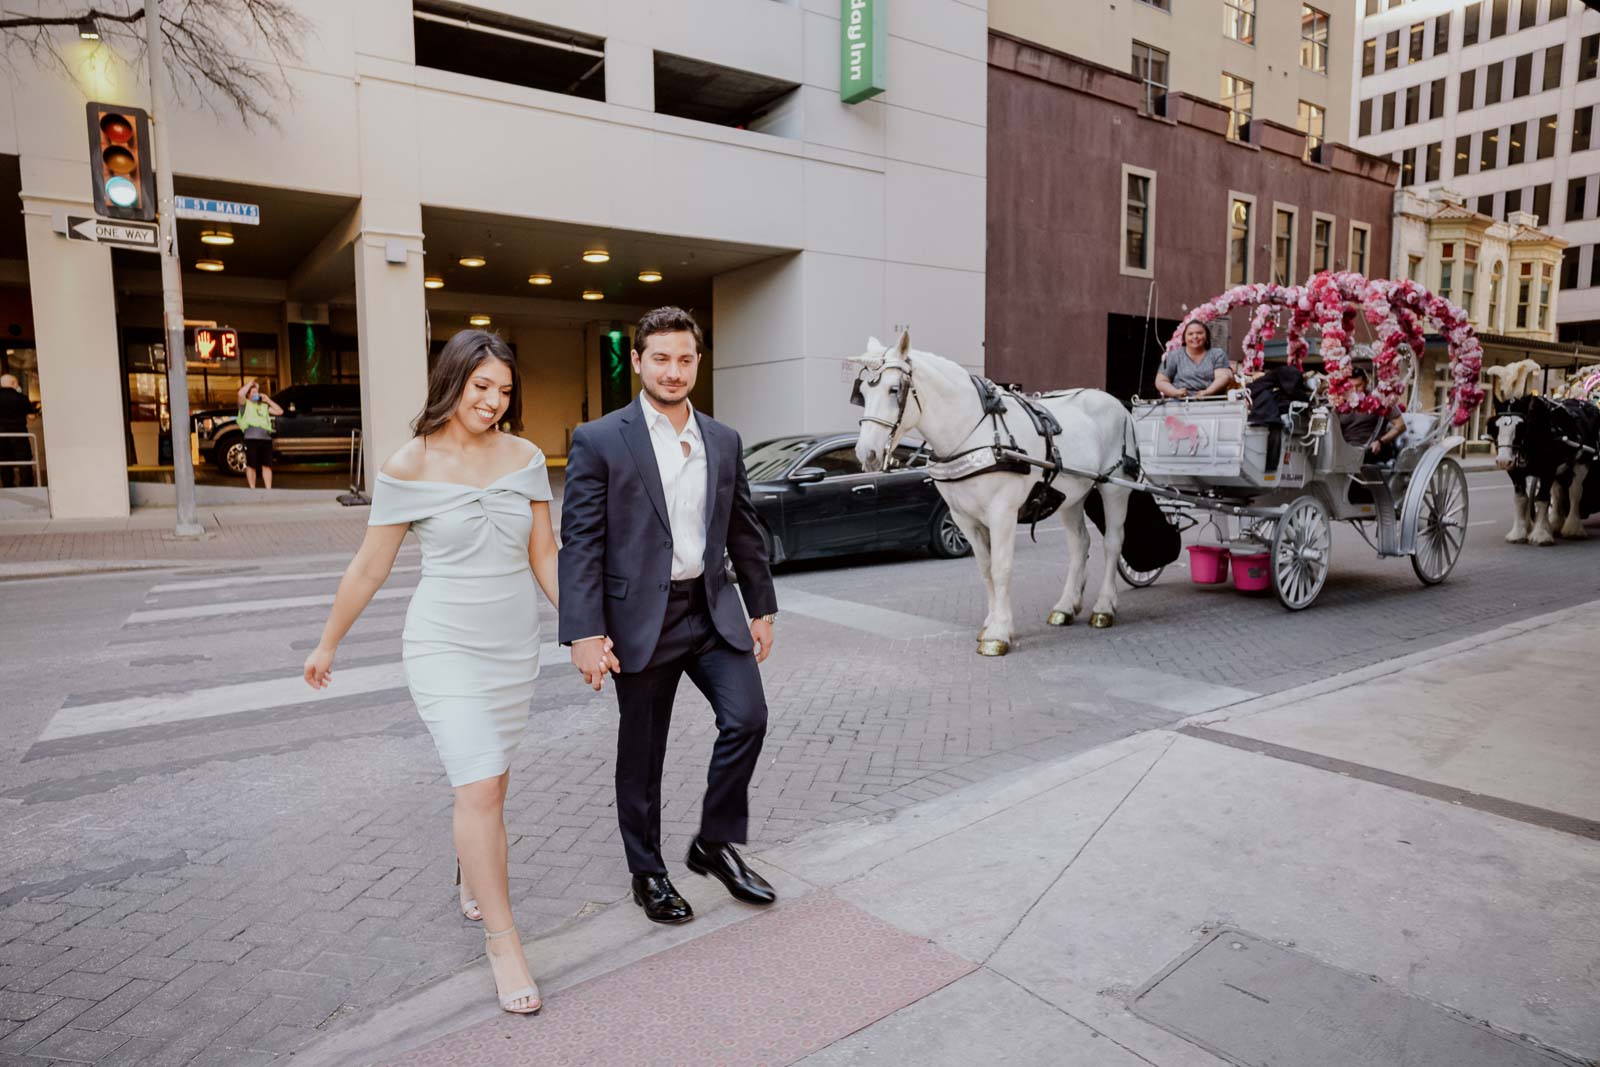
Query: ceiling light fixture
<point>539,279</point>
<point>649,276</point>
<point>216,237</point>
<point>433,281</point>
<point>480,320</point>
<point>472,261</point>
<point>593,294</point>
<point>597,255</point>
<point>212,265</point>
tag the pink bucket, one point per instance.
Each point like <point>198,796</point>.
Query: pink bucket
<point>1252,571</point>
<point>1208,564</point>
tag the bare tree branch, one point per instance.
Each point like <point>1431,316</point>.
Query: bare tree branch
<point>202,38</point>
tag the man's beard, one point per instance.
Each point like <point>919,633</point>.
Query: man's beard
<point>659,400</point>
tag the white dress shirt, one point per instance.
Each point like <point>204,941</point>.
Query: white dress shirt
<point>681,458</point>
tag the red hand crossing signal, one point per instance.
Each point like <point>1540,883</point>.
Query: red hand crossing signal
<point>216,344</point>
<point>120,167</point>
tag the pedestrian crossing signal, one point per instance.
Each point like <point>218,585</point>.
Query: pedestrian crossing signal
<point>216,345</point>
<point>120,165</point>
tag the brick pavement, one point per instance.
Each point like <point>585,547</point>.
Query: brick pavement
<point>221,890</point>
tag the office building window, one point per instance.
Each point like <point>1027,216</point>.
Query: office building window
<point>1431,167</point>
<point>1552,67</point>
<point>1414,46</point>
<point>1498,12</point>
<point>1138,218</point>
<point>1463,161</point>
<point>1391,50</point>
<point>1589,57</point>
<point>1365,121</point>
<point>1569,267</point>
<point>1522,80</point>
<point>1321,243</point>
<point>1472,24</point>
<point>1313,39</point>
<point>1150,67</point>
<point>1283,228</point>
<point>1436,98</point>
<point>1441,34</point>
<point>1516,151</point>
<point>1547,137</point>
<point>1582,126</point>
<point>1488,150</point>
<point>1558,9</point>
<point>1373,6</point>
<point>1239,212</point>
<point>1513,201</point>
<point>1408,167</point>
<point>1239,20</point>
<point>1466,96</point>
<point>1313,123</point>
<point>1492,83</point>
<point>1413,105</point>
<point>1388,112</point>
<point>1237,97</point>
<point>1369,56</point>
<point>1159,5</point>
<point>1594,266</point>
<point>1529,14</point>
<point>1541,201</point>
<point>1360,238</point>
<point>1485,205</point>
<point>1575,190</point>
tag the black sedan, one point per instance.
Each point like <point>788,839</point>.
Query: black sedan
<point>815,500</point>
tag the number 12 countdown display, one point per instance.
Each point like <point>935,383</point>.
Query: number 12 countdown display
<point>214,345</point>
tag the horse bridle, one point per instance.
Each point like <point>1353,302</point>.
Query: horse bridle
<point>858,398</point>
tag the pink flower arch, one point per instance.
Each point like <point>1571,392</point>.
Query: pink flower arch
<point>1330,303</point>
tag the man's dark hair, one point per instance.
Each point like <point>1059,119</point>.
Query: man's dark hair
<point>1358,372</point>
<point>667,320</point>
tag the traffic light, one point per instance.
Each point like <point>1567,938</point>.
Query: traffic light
<point>214,344</point>
<point>119,162</point>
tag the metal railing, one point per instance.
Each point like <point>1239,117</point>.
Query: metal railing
<point>33,452</point>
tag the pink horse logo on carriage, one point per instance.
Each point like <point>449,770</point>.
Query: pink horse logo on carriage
<point>1179,431</point>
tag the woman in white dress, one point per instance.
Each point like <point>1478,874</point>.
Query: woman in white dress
<point>478,500</point>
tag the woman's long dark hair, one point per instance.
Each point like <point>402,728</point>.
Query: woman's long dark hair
<point>447,379</point>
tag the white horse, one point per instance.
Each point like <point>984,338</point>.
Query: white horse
<point>904,390</point>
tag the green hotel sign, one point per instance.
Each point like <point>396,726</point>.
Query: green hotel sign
<point>863,48</point>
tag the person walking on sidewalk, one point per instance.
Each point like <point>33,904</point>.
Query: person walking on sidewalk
<point>478,500</point>
<point>256,411</point>
<point>15,408</point>
<point>655,497</point>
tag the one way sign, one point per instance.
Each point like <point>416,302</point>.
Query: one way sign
<point>144,236</point>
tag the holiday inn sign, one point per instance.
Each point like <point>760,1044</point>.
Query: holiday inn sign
<point>862,49</point>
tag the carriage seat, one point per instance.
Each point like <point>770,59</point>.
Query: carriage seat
<point>1419,424</point>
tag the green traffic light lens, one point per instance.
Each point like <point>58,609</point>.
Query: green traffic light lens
<point>122,192</point>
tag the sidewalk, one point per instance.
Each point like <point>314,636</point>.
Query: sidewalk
<point>1400,865</point>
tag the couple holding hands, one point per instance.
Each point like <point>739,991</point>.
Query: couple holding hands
<point>655,500</point>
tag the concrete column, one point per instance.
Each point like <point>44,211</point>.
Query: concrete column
<point>80,387</point>
<point>391,328</point>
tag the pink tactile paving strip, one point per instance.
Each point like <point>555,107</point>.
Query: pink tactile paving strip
<point>762,992</point>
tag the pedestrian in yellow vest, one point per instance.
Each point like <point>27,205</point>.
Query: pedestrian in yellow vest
<point>256,410</point>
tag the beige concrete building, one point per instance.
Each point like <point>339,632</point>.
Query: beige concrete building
<point>553,167</point>
<point>1281,60</point>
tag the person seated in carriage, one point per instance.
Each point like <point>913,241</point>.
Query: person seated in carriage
<point>1375,431</point>
<point>1197,369</point>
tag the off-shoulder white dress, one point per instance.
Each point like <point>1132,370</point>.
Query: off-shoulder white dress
<point>471,639</point>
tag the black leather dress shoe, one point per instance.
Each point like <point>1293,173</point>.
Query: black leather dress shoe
<point>723,862</point>
<point>661,902</point>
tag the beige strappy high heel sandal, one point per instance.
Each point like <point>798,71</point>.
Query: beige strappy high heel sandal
<point>525,993</point>
<point>469,906</point>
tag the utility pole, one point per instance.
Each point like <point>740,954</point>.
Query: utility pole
<point>171,278</point>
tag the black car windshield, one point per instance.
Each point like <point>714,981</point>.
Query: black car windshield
<point>770,459</point>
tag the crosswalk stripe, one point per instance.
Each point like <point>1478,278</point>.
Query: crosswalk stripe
<point>259,579</point>
<point>183,705</point>
<point>241,607</point>
<point>858,616</point>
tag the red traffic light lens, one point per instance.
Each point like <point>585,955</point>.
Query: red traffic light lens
<point>119,160</point>
<point>117,128</point>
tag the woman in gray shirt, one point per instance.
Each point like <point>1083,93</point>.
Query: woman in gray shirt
<point>1195,370</point>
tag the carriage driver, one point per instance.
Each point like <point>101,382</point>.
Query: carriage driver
<point>1196,370</point>
<point>1363,427</point>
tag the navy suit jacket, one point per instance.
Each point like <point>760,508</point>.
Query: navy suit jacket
<point>616,538</point>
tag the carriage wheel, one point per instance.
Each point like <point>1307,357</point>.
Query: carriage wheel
<point>1137,579</point>
<point>1301,546</point>
<point>1441,524</point>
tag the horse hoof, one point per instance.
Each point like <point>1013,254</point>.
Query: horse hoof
<point>1101,620</point>
<point>1059,618</point>
<point>993,648</point>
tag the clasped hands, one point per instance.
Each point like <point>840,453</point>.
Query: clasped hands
<point>593,656</point>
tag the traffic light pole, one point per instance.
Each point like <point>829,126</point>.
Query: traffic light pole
<point>171,279</point>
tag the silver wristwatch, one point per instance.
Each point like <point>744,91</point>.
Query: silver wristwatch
<point>769,619</point>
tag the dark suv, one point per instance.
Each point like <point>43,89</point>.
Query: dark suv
<point>316,424</point>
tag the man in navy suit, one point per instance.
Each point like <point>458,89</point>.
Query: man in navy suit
<point>655,497</point>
